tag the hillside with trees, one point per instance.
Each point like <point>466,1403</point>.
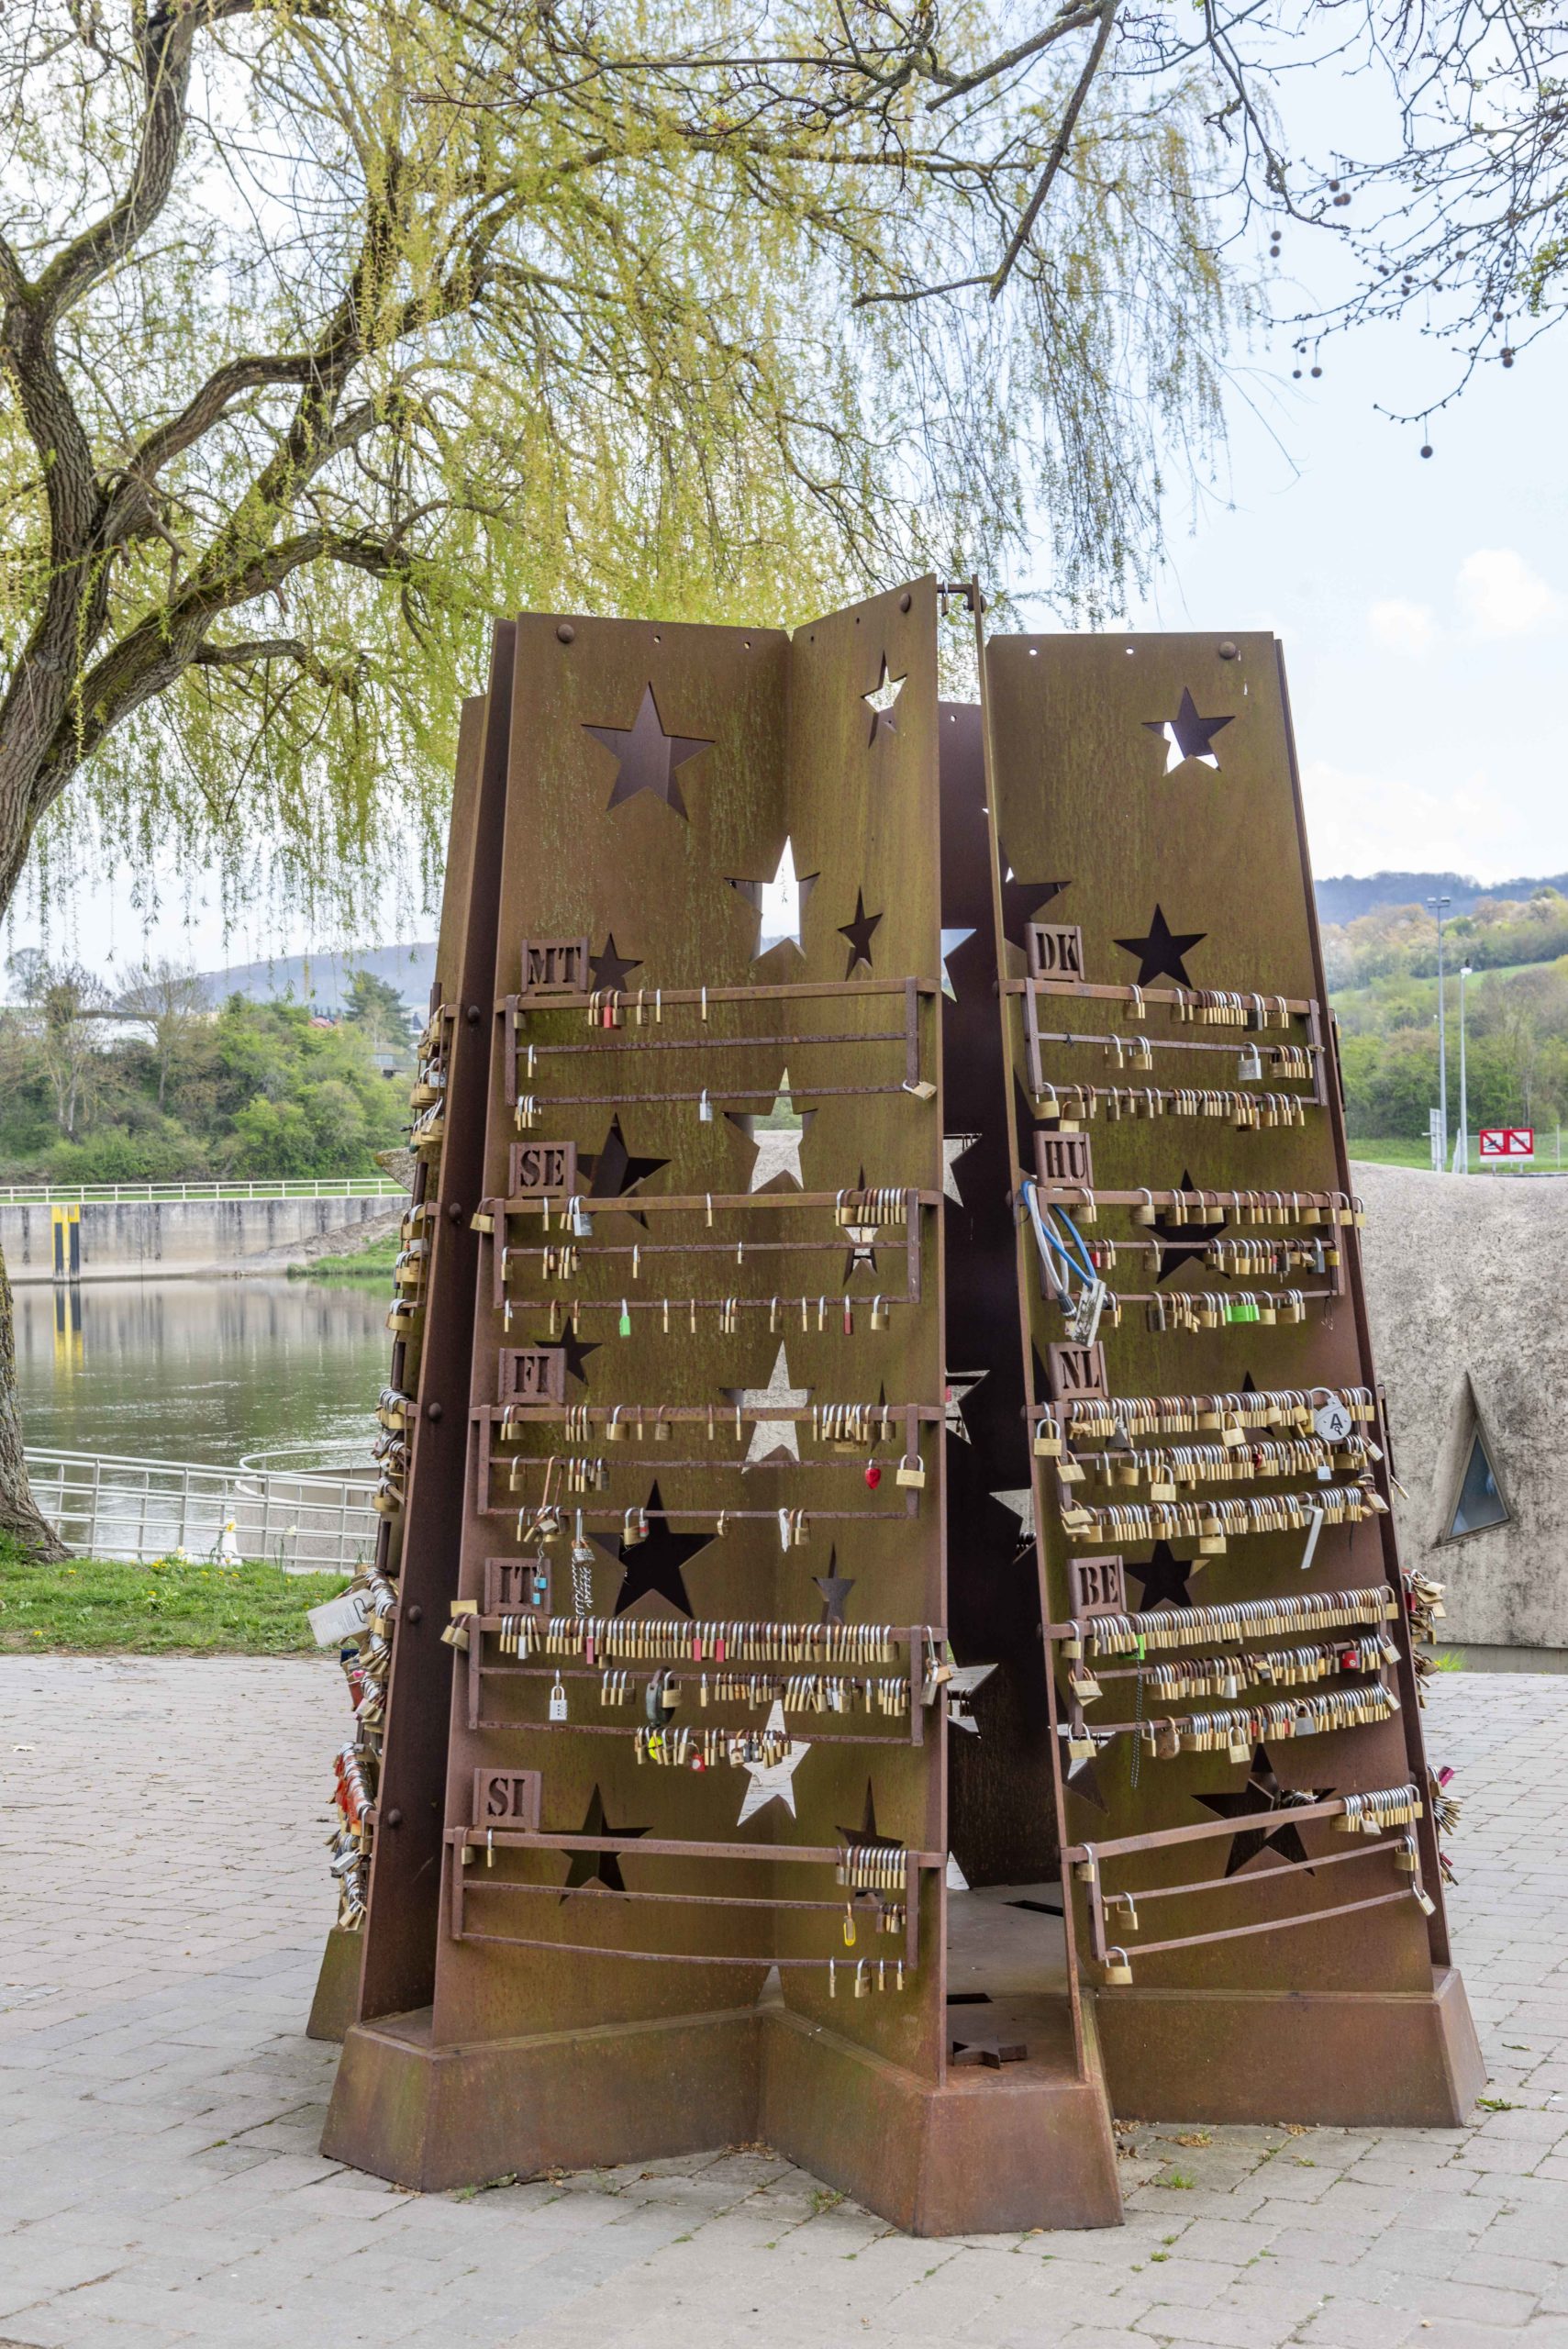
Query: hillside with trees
<point>151,1085</point>
<point>1381,971</point>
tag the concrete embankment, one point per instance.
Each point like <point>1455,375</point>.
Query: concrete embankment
<point>164,1238</point>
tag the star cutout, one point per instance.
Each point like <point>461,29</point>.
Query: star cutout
<point>610,969</point>
<point>1180,1243</point>
<point>835,1588</point>
<point>954,1148</point>
<point>960,1384</point>
<point>1022,900</point>
<point>780,903</point>
<point>862,1241</point>
<point>646,756</point>
<point>1081,1778</point>
<point>1160,954</point>
<point>859,933</point>
<point>880,702</point>
<point>1186,736</point>
<point>1020,1500</point>
<point>992,2053</point>
<point>776,1144</point>
<point>615,1171</point>
<point>773,1781</point>
<point>653,1568</point>
<point>597,1867</point>
<point>952,940</point>
<point>574,1348</point>
<point>1264,1797</point>
<point>772,1439</point>
<point>1163,1576</point>
<point>960,1685</point>
<point>868,1830</point>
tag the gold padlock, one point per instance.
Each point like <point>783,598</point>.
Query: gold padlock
<point>911,1472</point>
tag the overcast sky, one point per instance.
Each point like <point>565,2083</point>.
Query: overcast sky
<point>1423,607</point>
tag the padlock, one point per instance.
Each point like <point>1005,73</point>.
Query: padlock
<point>1118,1970</point>
<point>911,1472</point>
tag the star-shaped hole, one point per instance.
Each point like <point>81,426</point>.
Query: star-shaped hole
<point>1262,1797</point>
<point>1163,1576</point>
<point>859,932</point>
<point>881,701</point>
<point>646,757</point>
<point>1186,736</point>
<point>1180,1244</point>
<point>575,1348</point>
<point>653,1567</point>
<point>611,969</point>
<point>1022,900</point>
<point>835,1588</point>
<point>1161,954</point>
<point>780,903</point>
<point>775,1136</point>
<point>617,1173</point>
<point>597,1867</point>
<point>772,1440</point>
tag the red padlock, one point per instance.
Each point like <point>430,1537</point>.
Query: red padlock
<point>873,1474</point>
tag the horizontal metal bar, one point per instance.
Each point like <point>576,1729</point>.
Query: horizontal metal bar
<point>1116,1847</point>
<point>674,1847</point>
<point>474,1882</point>
<point>1227,1883</point>
<point>641,1043</point>
<point>688,1202</point>
<point>623,1728</point>
<point>1300,1004</point>
<point>1269,1925</point>
<point>795,991</point>
<point>847,1963</point>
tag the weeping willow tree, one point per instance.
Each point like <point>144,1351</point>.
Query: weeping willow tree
<point>330,327</point>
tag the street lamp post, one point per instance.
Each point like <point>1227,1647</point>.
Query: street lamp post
<point>1439,906</point>
<point>1462,1148</point>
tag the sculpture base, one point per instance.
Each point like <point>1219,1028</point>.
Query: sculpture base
<point>1345,2059</point>
<point>336,1986</point>
<point>1028,2145</point>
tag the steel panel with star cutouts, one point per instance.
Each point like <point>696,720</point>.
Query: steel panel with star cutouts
<point>1254,1884</point>
<point>694,1852</point>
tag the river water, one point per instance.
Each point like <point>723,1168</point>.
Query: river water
<point>202,1371</point>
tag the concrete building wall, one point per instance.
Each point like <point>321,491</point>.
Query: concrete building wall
<point>144,1240</point>
<point>1468,1327</point>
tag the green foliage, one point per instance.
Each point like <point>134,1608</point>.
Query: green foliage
<point>257,1090</point>
<point>412,315</point>
<point>1516,1052</point>
<point>375,1006</point>
<point>109,1606</point>
<point>372,1263</point>
<point>1401,941</point>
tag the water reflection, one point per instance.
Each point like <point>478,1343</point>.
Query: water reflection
<point>192,1370</point>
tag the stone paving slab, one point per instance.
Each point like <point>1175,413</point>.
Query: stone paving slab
<point>160,2110</point>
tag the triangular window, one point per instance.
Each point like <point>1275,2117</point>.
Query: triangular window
<point>1479,1503</point>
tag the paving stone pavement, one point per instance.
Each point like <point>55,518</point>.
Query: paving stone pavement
<point>161,1909</point>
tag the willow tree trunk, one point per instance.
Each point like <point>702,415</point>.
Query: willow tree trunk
<point>19,1515</point>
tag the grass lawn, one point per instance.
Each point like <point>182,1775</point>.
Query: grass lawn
<point>374,1263</point>
<point>108,1607</point>
<point>1398,1152</point>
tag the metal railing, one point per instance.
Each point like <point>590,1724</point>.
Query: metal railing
<point>109,1508</point>
<point>343,1187</point>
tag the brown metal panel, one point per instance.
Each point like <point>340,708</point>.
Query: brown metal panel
<point>401,1928</point>
<point>1143,794</point>
<point>660,857</point>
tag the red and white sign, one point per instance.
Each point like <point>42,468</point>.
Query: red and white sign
<point>1514,1143</point>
